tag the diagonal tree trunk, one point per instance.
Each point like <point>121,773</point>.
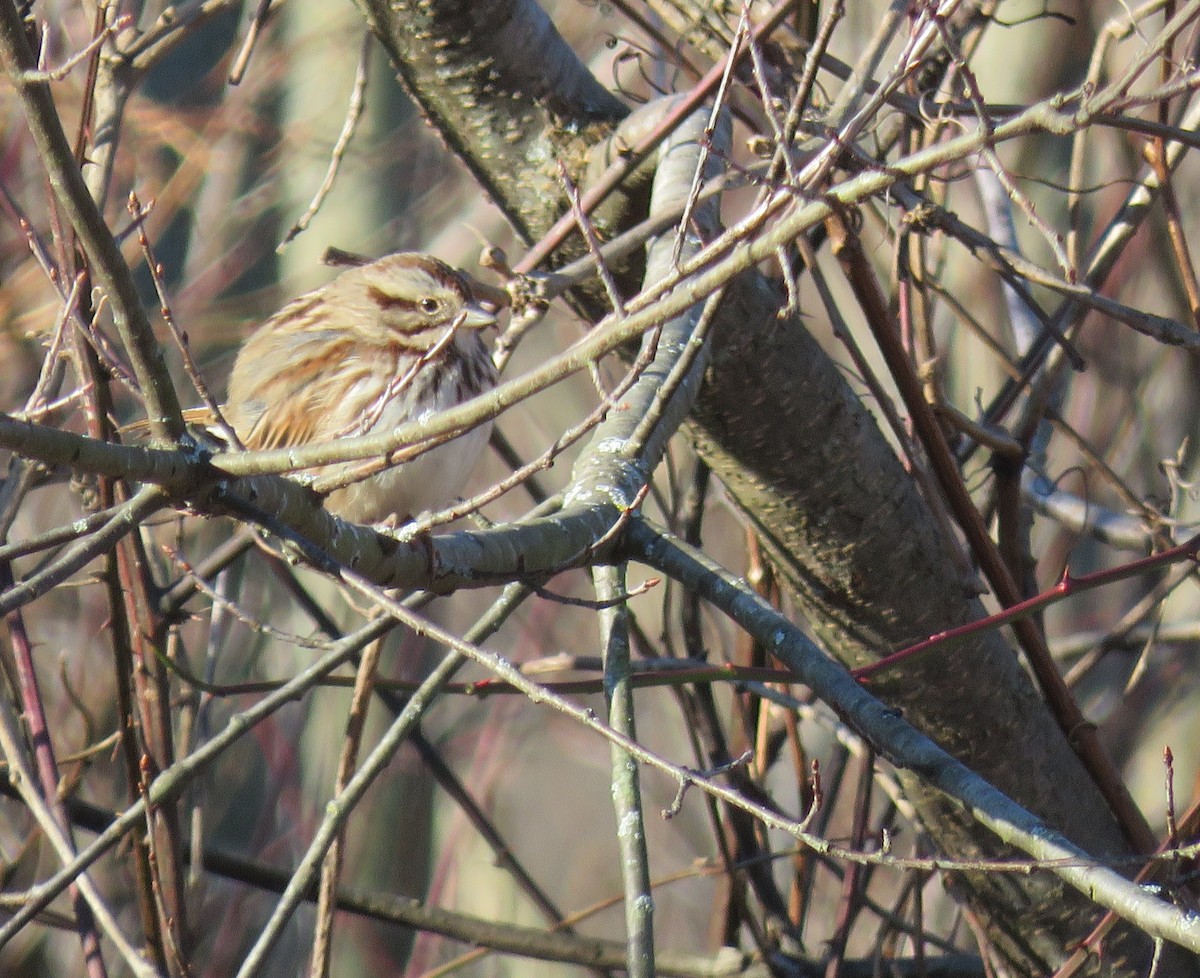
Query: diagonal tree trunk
<point>854,540</point>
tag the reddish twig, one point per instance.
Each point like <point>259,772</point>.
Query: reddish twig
<point>47,767</point>
<point>1067,586</point>
<point>858,270</point>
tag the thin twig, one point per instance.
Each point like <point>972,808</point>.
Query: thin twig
<point>354,111</point>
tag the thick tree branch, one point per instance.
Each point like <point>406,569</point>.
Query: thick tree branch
<point>855,542</point>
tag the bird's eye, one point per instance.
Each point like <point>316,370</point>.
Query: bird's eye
<point>429,305</point>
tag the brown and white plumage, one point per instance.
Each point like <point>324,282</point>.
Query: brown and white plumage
<point>384,343</point>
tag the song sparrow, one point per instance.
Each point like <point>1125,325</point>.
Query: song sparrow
<point>384,343</point>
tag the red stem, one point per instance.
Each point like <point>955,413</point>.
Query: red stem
<point>1065,588</point>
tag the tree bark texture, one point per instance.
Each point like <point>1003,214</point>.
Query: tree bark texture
<point>854,540</point>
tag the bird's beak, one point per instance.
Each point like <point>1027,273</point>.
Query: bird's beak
<point>474,316</point>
